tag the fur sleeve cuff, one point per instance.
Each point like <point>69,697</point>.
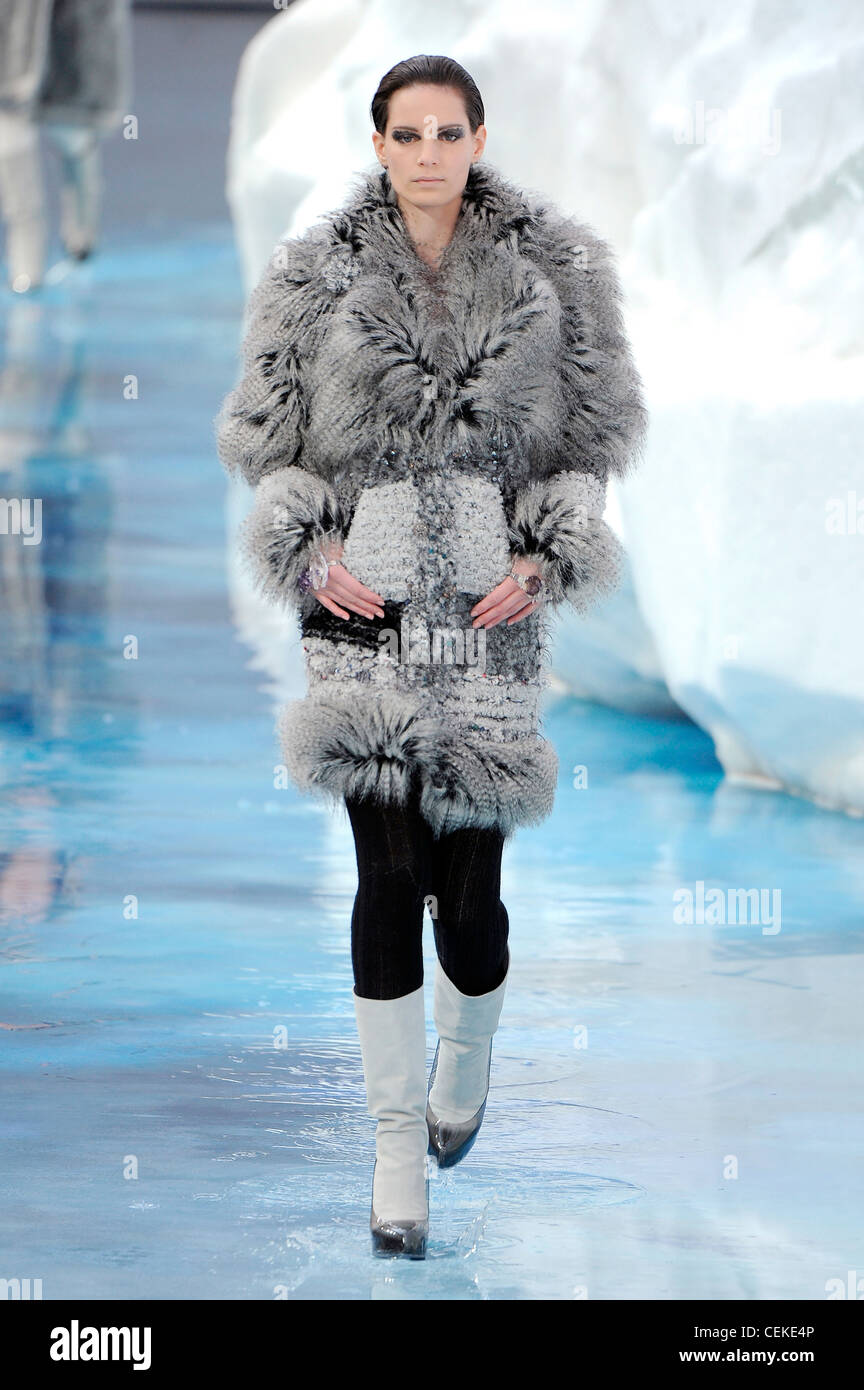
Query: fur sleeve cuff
<point>559,524</point>
<point>294,512</point>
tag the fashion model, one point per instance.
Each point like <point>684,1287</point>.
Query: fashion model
<point>436,386</point>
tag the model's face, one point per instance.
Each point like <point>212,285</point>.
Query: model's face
<point>428,146</point>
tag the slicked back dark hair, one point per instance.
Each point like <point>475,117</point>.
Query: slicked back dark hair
<point>427,68</point>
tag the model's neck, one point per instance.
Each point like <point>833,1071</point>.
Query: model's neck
<point>430,229</point>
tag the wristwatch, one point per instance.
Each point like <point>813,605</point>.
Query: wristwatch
<point>532,584</point>
<point>315,574</point>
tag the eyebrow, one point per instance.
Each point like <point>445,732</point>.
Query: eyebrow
<point>453,125</point>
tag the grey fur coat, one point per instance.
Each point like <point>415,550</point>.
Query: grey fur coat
<point>438,423</point>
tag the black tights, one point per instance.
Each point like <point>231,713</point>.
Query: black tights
<point>399,864</point>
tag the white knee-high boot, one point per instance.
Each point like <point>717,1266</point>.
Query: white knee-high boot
<point>393,1047</point>
<point>466,1024</point>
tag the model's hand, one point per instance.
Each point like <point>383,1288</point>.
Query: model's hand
<point>507,600</point>
<point>343,589</point>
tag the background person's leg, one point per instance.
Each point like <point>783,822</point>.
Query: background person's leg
<point>80,185</point>
<point>22,201</point>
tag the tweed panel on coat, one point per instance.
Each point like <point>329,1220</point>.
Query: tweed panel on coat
<point>435,423</point>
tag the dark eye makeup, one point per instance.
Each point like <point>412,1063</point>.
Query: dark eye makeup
<point>404,136</point>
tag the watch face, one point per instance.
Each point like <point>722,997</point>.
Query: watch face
<point>532,584</point>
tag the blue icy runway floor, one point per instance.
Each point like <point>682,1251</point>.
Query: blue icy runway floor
<point>675,1109</point>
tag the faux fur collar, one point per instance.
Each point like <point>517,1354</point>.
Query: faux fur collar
<point>514,345</point>
<point>494,211</point>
